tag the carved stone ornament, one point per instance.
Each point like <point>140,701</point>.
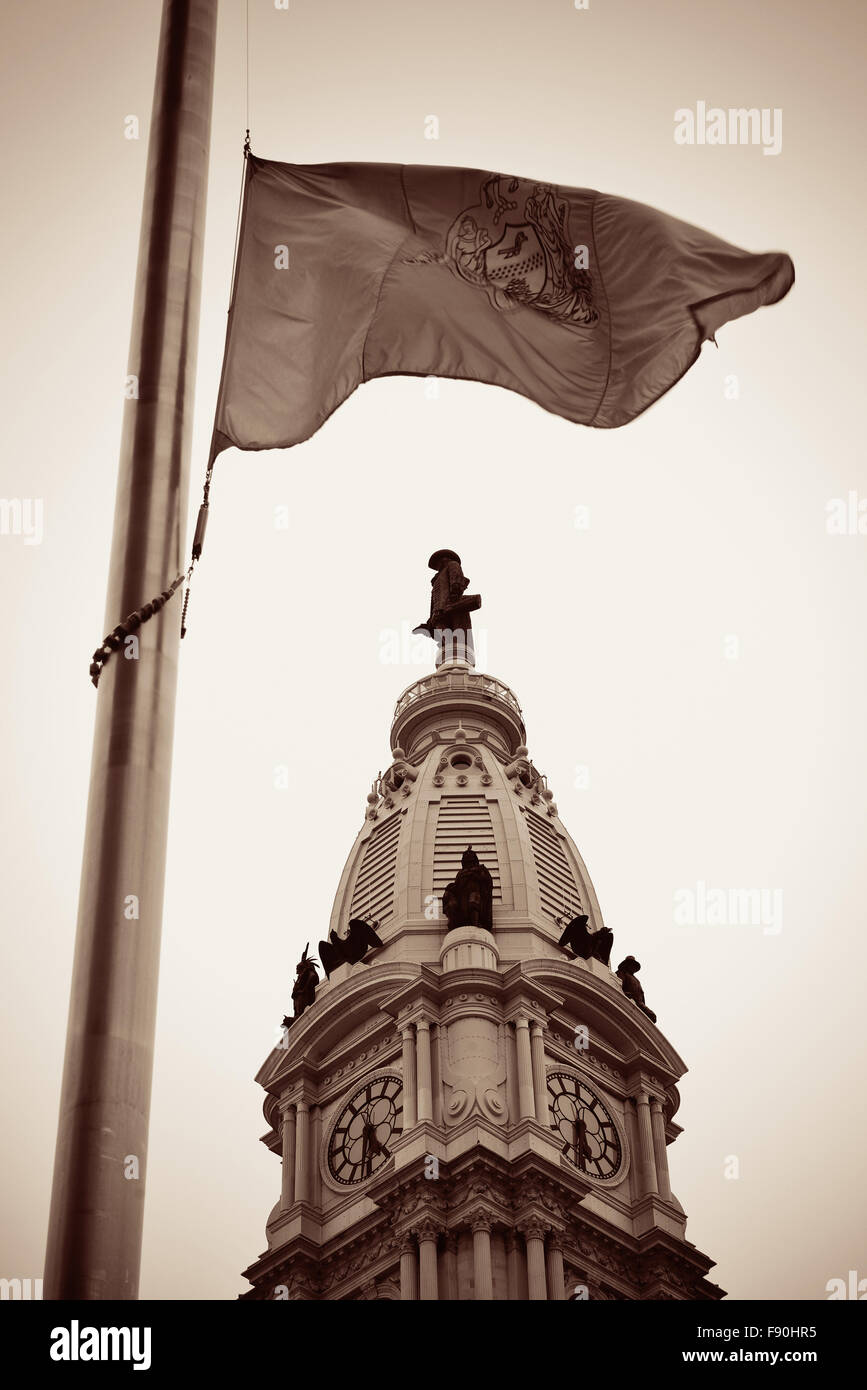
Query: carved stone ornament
<point>528,782</point>
<point>473,1062</point>
<point>391,786</point>
<point>460,758</point>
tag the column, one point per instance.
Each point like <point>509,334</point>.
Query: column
<point>425,1087</point>
<point>428,1234</point>
<point>450,1266</point>
<point>513,1255</point>
<point>540,1089</point>
<point>438,1040</point>
<point>287,1192</point>
<point>408,1269</point>
<point>534,1236</point>
<point>657,1124</point>
<point>407,1034</point>
<point>554,1259</point>
<point>482,1273</point>
<point>645,1138</point>
<point>314,1183</point>
<point>302,1152</point>
<point>526,1098</point>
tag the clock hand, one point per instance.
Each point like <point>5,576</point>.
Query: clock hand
<point>580,1144</point>
<point>373,1138</point>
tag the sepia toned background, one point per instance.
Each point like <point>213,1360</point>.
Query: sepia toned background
<point>676,754</point>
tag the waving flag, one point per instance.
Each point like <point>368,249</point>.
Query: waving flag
<point>589,304</point>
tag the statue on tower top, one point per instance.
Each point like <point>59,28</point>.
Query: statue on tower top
<point>450,608</point>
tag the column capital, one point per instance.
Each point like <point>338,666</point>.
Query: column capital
<point>428,1229</point>
<point>555,1240</point>
<point>407,1243</point>
<point>533,1228</point>
<point>481,1221</point>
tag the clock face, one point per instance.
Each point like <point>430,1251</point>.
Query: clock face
<point>587,1133</point>
<point>359,1142</point>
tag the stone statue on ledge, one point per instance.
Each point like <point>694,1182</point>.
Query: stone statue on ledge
<point>580,942</point>
<point>468,901</point>
<point>626,973</point>
<point>350,949</point>
<point>450,608</point>
<point>304,988</point>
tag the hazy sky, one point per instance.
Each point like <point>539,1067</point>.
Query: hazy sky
<point>734,764</point>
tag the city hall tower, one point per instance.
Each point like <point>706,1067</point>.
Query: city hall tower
<point>476,1103</point>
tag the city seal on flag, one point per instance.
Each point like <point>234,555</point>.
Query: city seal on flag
<point>515,244</point>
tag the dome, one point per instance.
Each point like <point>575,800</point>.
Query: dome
<point>462,776</point>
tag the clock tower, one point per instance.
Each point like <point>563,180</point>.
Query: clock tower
<point>465,1107</point>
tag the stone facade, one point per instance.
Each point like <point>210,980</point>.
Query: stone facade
<point>445,1053</point>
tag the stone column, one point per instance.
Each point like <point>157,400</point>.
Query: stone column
<point>425,1086</point>
<point>314,1183</point>
<point>408,1270</point>
<point>513,1255</point>
<point>428,1234</point>
<point>645,1137</point>
<point>526,1098</point>
<point>287,1192</point>
<point>437,1049</point>
<point>540,1089</point>
<point>554,1257</point>
<point>407,1034</point>
<point>534,1234</point>
<point>302,1152</point>
<point>482,1273</point>
<point>657,1124</point>
<point>450,1266</point>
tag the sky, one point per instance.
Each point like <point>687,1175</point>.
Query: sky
<point>671,601</point>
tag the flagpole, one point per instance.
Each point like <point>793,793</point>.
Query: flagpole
<point>97,1201</point>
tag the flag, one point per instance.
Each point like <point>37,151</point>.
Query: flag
<point>591,305</point>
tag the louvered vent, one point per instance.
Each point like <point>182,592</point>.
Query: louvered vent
<point>373,896</point>
<point>558,889</point>
<point>462,821</point>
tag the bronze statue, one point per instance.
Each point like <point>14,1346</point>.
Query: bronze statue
<point>450,608</point>
<point>626,973</point>
<point>304,988</point>
<point>350,949</point>
<point>468,901</point>
<point>581,942</point>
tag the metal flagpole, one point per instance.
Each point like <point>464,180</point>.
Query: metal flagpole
<point>97,1201</point>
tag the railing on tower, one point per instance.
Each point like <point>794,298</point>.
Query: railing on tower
<point>471,682</point>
